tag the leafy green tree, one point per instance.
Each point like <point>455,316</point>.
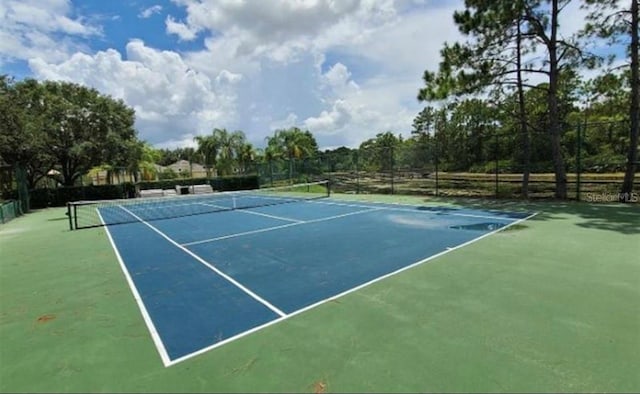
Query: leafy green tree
<point>69,127</point>
<point>221,149</point>
<point>22,139</point>
<point>230,145</point>
<point>208,147</point>
<point>609,20</point>
<point>149,158</point>
<point>85,128</point>
<point>492,59</point>
<point>378,153</point>
<point>291,144</point>
<point>246,156</point>
<point>495,27</point>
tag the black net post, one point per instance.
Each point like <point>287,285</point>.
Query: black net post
<point>69,215</point>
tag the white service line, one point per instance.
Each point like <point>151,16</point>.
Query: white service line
<point>209,265</point>
<point>373,204</point>
<point>262,230</point>
<point>257,213</point>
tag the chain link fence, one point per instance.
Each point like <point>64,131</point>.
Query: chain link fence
<point>492,166</point>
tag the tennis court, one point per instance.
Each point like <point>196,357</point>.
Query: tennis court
<point>206,270</point>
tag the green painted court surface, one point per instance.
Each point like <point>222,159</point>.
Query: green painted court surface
<point>552,304</point>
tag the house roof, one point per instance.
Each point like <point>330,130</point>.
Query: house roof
<point>183,165</point>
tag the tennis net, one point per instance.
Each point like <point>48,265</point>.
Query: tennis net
<point>86,214</point>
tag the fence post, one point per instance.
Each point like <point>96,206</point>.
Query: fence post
<point>496,163</point>
<point>436,163</point>
<point>23,188</point>
<point>393,165</point>
<point>357,173</point>
<point>578,161</point>
<point>271,172</point>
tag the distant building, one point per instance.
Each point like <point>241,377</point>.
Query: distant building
<point>184,167</point>
<point>181,167</point>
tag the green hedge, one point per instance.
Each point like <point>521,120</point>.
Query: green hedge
<point>42,198</point>
<point>228,183</point>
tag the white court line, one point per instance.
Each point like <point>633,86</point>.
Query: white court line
<point>256,213</point>
<point>209,265</point>
<point>378,279</point>
<point>262,230</point>
<point>164,356</point>
<point>373,204</point>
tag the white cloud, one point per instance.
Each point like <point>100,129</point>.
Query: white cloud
<point>183,31</point>
<point>331,121</point>
<point>338,78</point>
<point>282,29</point>
<point>172,101</point>
<point>149,12</point>
<point>290,121</point>
<point>30,28</point>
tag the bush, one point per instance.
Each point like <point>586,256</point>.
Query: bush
<point>227,183</point>
<point>42,198</point>
<point>58,197</point>
<point>168,174</point>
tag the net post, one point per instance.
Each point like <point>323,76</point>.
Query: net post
<point>69,215</point>
<point>75,215</point>
<point>2,212</point>
<point>328,187</point>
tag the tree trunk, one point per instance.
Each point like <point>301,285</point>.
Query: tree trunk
<point>522,115</point>
<point>634,110</point>
<point>554,121</point>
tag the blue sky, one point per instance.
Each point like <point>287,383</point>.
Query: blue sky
<point>343,69</point>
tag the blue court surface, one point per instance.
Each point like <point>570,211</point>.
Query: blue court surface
<point>204,280</point>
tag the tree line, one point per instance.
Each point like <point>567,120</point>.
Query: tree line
<point>510,42</point>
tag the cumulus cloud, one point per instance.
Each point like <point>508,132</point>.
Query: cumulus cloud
<point>330,121</point>
<point>263,66</point>
<point>172,101</point>
<point>47,29</point>
<point>183,31</point>
<point>149,12</point>
<point>282,29</point>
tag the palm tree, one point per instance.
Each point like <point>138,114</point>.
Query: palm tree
<point>230,145</point>
<point>246,156</point>
<point>292,144</point>
<point>208,147</point>
<point>221,149</point>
